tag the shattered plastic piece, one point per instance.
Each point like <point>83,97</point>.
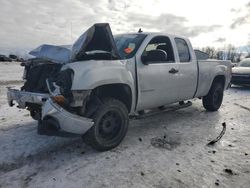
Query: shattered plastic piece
<point>217,182</point>
<point>220,135</point>
<point>229,171</point>
<point>164,143</point>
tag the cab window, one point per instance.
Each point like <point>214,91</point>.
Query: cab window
<point>183,50</point>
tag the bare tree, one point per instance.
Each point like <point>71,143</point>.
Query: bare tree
<point>210,51</point>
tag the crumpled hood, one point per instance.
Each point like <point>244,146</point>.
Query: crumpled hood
<point>241,70</point>
<point>56,54</point>
<point>97,37</point>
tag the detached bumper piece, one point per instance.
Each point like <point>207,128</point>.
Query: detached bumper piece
<point>23,97</point>
<point>57,120</point>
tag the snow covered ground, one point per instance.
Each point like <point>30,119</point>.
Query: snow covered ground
<point>31,160</point>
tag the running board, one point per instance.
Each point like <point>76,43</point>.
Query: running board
<point>167,109</point>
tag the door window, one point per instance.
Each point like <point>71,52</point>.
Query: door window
<point>162,43</point>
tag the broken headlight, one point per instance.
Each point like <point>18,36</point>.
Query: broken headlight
<point>60,87</point>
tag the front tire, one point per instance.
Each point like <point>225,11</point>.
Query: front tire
<point>213,100</point>
<point>110,127</point>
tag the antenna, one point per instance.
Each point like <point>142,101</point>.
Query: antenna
<point>71,31</point>
<point>140,31</point>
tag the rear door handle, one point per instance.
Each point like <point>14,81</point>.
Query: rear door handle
<point>173,71</point>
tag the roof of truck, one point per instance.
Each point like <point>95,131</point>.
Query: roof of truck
<point>153,34</point>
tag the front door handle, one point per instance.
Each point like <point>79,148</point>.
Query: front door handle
<point>173,71</point>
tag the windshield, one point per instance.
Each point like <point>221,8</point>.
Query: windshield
<point>128,44</point>
<point>244,63</point>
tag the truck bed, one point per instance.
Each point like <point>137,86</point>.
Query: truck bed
<point>208,69</point>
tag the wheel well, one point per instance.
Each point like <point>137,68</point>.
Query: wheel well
<point>219,79</point>
<point>120,92</point>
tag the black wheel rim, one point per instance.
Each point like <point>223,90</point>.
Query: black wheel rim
<point>110,126</point>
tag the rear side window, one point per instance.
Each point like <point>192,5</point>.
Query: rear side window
<point>183,50</point>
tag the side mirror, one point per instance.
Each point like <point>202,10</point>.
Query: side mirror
<point>154,56</point>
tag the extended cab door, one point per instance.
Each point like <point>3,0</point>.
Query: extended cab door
<point>157,80</point>
<point>188,69</point>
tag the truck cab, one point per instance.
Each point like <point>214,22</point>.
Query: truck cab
<point>171,58</point>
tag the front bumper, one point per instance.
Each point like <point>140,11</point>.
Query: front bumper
<point>66,121</point>
<point>23,97</point>
<point>240,79</point>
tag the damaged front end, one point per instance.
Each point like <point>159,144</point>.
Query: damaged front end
<point>59,116</point>
<point>47,92</point>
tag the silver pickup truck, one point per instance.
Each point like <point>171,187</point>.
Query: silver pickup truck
<point>91,87</point>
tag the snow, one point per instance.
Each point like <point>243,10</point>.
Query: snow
<point>31,160</point>
<point>10,71</point>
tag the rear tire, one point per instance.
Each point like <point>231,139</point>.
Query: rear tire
<point>213,100</point>
<point>110,127</point>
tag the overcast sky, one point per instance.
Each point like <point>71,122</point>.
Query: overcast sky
<point>25,24</point>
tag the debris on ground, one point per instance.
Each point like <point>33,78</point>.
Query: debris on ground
<point>241,106</point>
<point>220,135</point>
<point>217,182</point>
<point>142,174</point>
<point>29,178</point>
<point>163,142</point>
<point>212,151</point>
<point>229,171</point>
<point>140,139</point>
